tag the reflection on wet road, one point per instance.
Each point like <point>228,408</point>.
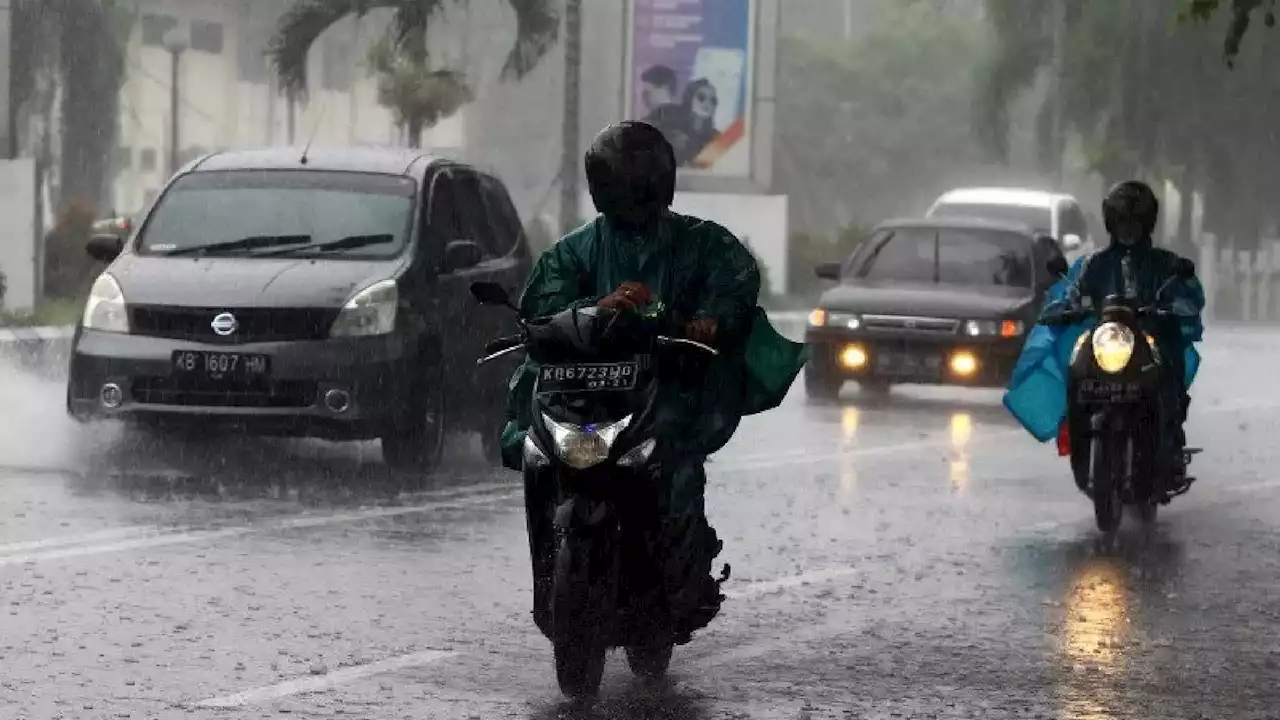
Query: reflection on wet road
<point>915,556</point>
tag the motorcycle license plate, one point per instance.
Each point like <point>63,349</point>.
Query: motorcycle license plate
<point>1108,391</point>
<point>588,377</point>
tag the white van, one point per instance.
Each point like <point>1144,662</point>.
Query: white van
<point>1053,214</point>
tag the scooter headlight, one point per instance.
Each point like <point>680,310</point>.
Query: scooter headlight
<point>586,446</point>
<point>1112,346</point>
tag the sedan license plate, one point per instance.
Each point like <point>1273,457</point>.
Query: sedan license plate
<point>588,377</point>
<point>220,366</point>
<point>1093,390</point>
<point>901,364</point>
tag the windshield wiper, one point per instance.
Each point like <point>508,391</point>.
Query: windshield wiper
<point>249,243</point>
<point>347,243</point>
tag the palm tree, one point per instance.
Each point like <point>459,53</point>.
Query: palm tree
<point>439,91</point>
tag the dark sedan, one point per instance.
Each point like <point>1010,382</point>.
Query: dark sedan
<point>936,301</point>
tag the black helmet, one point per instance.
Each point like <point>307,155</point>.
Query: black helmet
<point>631,171</point>
<point>1129,211</point>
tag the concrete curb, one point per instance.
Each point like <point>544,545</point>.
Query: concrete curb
<point>35,334</point>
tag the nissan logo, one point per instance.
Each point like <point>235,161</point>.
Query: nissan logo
<point>224,324</point>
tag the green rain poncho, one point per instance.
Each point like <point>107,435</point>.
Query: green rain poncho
<point>694,268</point>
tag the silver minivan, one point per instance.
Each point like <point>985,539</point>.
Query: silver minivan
<point>1054,214</point>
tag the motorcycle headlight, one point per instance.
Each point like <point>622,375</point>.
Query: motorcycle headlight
<point>1112,346</point>
<point>105,309</point>
<point>372,311</point>
<point>584,447</point>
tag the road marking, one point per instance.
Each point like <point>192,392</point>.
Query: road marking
<point>768,587</point>
<point>327,681</point>
<point>108,534</point>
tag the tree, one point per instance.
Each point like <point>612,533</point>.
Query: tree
<point>406,51</point>
<point>419,96</point>
<point>1241,17</point>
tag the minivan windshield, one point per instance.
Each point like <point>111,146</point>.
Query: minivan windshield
<point>1039,219</point>
<point>282,213</point>
<point>956,256</point>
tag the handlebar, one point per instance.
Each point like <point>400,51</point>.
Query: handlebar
<point>503,343</point>
<point>665,341</point>
<point>503,346</point>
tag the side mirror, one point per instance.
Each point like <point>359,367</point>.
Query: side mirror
<point>460,255</point>
<point>1057,267</point>
<point>1185,269</point>
<point>828,271</point>
<point>490,293</point>
<point>105,247</point>
<point>1072,242</point>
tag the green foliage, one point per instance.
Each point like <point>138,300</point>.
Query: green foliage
<point>417,94</point>
<point>1241,18</point>
<point>808,251</point>
<point>4,287</point>
<point>881,126</point>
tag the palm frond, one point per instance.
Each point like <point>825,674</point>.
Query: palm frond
<point>300,27</point>
<point>537,30</point>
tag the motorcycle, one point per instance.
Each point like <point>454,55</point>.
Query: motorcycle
<point>591,468</point>
<point>1115,421</point>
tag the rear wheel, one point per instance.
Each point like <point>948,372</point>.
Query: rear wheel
<point>650,662</point>
<point>821,384</point>
<point>415,444</point>
<point>1106,469</point>
<point>579,652</point>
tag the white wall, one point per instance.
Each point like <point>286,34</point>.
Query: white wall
<point>18,256</point>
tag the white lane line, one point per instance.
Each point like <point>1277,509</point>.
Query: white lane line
<point>321,683</point>
<point>331,680</point>
<point>108,534</point>
<point>290,524</point>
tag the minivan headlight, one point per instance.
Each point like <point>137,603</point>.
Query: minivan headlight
<point>372,311</point>
<point>584,447</point>
<point>1112,346</point>
<point>105,310</point>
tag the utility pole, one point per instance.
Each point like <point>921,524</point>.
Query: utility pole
<point>8,133</point>
<point>569,138</point>
<point>176,44</point>
<point>1058,69</point>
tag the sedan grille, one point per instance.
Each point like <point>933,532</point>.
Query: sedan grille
<point>930,325</point>
<point>252,324</point>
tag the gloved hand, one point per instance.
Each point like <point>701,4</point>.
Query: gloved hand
<point>628,296</point>
<point>702,330</point>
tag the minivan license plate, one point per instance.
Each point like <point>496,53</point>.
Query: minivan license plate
<point>220,365</point>
<point>588,377</point>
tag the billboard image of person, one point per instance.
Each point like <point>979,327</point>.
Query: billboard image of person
<point>690,76</point>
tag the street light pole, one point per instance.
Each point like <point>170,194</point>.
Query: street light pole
<point>176,45</point>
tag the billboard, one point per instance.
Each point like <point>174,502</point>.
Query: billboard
<point>689,72</point>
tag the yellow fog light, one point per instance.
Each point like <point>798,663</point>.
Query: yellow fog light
<point>818,317</point>
<point>853,357</point>
<point>964,363</point>
<point>1112,346</point>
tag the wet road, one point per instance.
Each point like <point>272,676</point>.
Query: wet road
<point>913,558</point>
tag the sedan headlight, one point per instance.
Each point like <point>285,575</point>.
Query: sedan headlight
<point>105,309</point>
<point>372,311</point>
<point>584,447</point>
<point>826,318</point>
<point>1112,346</point>
<point>992,328</point>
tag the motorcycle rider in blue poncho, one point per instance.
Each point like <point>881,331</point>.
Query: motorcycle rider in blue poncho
<point>1037,393</point>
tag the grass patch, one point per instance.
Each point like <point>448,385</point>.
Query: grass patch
<point>53,312</point>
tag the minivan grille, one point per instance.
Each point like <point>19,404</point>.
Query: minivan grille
<point>254,324</point>
<point>932,325</point>
<point>150,390</point>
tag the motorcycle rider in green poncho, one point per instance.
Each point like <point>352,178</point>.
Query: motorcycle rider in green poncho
<point>697,279</point>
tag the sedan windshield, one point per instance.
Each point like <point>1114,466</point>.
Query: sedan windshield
<point>957,256</point>
<point>274,213</point>
<point>1038,219</point>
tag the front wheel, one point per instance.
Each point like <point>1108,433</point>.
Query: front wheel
<point>650,662</point>
<point>575,621</point>
<point>821,384</point>
<point>415,444</point>
<point>1106,471</point>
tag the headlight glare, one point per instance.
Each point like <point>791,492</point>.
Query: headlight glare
<point>584,447</point>
<point>105,310</point>
<point>639,454</point>
<point>1112,346</point>
<point>371,311</point>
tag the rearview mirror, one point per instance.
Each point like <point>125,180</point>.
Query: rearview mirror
<point>490,293</point>
<point>460,255</point>
<point>1071,242</point>
<point>1057,267</point>
<point>105,247</point>
<point>1185,269</point>
<point>828,271</point>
